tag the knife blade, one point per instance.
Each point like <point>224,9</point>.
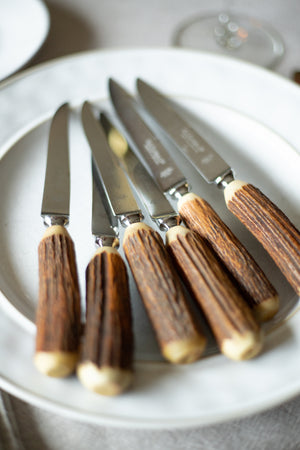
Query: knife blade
<point>259,214</point>
<point>177,333</point>
<point>58,311</point>
<point>160,210</point>
<point>255,286</point>
<point>232,323</point>
<point>106,357</point>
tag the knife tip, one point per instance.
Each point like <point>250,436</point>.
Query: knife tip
<point>87,106</point>
<point>139,82</point>
<point>63,108</point>
<point>143,87</point>
<point>112,84</point>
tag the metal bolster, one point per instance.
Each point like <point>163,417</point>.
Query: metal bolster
<point>179,190</point>
<point>128,219</point>
<point>165,223</point>
<point>223,180</point>
<point>107,241</point>
<point>55,219</point>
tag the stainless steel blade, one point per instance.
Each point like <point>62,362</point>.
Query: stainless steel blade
<point>102,223</point>
<point>167,175</point>
<point>56,197</point>
<point>153,198</point>
<point>204,158</point>
<point>120,198</point>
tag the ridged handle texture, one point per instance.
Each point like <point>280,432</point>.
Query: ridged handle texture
<point>269,225</point>
<point>107,351</point>
<point>58,313</point>
<point>229,316</point>
<point>179,336</point>
<point>255,286</point>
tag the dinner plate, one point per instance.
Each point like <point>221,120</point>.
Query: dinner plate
<point>248,114</point>
<point>24,26</point>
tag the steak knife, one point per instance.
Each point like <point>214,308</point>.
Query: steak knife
<point>259,214</point>
<point>58,312</point>
<point>230,318</point>
<point>178,335</point>
<point>256,288</point>
<point>106,357</point>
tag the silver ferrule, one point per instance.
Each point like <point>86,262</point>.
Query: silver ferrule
<point>50,220</point>
<point>107,241</point>
<point>129,219</point>
<point>165,223</point>
<point>225,179</point>
<point>179,190</point>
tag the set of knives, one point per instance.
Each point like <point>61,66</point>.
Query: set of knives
<point>226,283</point>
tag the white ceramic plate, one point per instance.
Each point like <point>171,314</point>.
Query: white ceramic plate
<point>251,116</point>
<point>24,26</point>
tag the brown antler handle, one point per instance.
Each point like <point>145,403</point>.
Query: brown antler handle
<point>230,318</point>
<point>256,288</point>
<point>107,350</point>
<point>269,225</point>
<point>178,335</point>
<point>58,311</point>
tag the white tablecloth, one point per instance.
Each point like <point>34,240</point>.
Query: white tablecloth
<point>78,25</point>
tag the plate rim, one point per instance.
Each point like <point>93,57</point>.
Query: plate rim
<point>42,402</point>
<point>243,412</point>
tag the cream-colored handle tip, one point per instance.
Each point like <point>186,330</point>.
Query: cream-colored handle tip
<point>189,197</point>
<point>184,351</point>
<point>267,309</point>
<point>56,364</point>
<point>55,229</point>
<point>242,347</point>
<point>134,228</point>
<point>173,233</point>
<point>232,188</point>
<point>106,249</point>
<point>107,381</point>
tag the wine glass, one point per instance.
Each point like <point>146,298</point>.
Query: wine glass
<point>232,34</point>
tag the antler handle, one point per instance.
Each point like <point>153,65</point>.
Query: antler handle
<point>107,350</point>
<point>230,318</point>
<point>58,313</point>
<point>256,288</point>
<point>178,335</point>
<point>269,225</point>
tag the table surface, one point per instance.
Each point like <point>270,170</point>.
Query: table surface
<point>78,26</point>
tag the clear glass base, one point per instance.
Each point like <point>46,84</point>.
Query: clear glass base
<point>238,36</point>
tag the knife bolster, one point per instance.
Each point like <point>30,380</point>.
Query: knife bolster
<point>269,225</point>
